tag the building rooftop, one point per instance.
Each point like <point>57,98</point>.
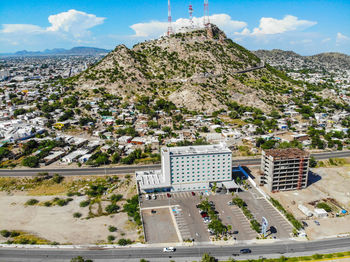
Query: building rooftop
<point>206,149</point>
<point>286,153</point>
<point>152,179</point>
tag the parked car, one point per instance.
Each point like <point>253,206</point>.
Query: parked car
<point>245,251</point>
<point>168,195</point>
<point>235,232</point>
<point>169,249</point>
<point>206,220</point>
<point>317,223</point>
<point>154,197</point>
<point>153,211</point>
<point>148,197</point>
<point>204,215</point>
<point>193,193</point>
<point>230,203</point>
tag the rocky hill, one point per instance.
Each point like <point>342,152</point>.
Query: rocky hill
<point>196,70</point>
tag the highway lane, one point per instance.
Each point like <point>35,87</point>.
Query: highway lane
<point>132,169</point>
<point>279,248</point>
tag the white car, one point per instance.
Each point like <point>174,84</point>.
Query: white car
<point>169,249</point>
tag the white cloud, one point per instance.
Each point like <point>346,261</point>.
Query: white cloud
<point>157,28</point>
<point>341,38</point>
<point>20,28</point>
<point>272,26</point>
<point>326,40</point>
<point>75,22</point>
<point>72,23</point>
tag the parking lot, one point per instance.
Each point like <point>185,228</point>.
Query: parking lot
<point>260,207</point>
<point>188,220</point>
<point>190,225</point>
<point>159,226</point>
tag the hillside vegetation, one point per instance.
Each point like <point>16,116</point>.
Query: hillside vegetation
<point>191,70</point>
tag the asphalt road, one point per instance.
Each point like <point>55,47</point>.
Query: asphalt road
<point>132,169</point>
<point>266,250</point>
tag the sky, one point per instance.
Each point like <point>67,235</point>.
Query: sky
<point>306,27</point>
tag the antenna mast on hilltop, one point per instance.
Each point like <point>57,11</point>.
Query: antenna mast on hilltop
<point>207,24</point>
<point>206,14</point>
<point>170,28</point>
<point>190,10</point>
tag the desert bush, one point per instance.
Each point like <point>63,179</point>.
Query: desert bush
<point>57,178</point>
<point>124,242</point>
<point>84,203</point>
<point>112,208</point>
<point>77,215</point>
<point>110,238</point>
<point>116,198</point>
<point>5,233</point>
<point>47,203</point>
<point>112,229</point>
<point>32,202</point>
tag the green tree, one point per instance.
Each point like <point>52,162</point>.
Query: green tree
<point>313,162</point>
<point>102,159</point>
<point>115,158</point>
<point>80,259</point>
<point>4,152</point>
<point>124,242</point>
<point>31,161</point>
<point>208,258</point>
<point>217,226</point>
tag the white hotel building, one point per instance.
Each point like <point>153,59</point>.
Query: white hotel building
<point>189,168</point>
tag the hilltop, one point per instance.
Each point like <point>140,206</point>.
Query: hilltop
<point>195,70</point>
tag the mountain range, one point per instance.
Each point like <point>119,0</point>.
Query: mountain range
<point>291,60</point>
<point>80,50</point>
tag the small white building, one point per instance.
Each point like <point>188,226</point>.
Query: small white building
<point>320,213</point>
<point>305,210</point>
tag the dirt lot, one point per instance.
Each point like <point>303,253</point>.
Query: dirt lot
<point>56,223</point>
<point>325,183</point>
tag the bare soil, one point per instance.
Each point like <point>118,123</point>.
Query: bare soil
<point>57,224</point>
<point>325,183</point>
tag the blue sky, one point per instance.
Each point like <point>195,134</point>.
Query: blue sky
<point>307,27</point>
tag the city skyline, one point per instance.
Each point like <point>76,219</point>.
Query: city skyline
<point>306,27</point>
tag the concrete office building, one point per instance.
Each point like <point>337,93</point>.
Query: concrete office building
<point>284,169</point>
<point>189,168</point>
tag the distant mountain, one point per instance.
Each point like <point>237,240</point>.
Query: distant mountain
<point>80,50</point>
<point>291,60</point>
